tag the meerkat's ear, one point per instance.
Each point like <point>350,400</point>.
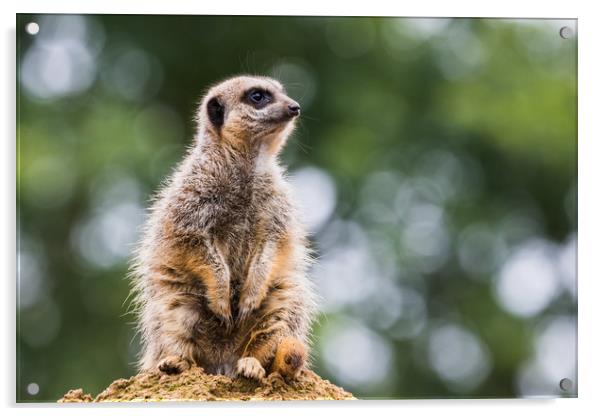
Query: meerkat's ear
<point>215,111</point>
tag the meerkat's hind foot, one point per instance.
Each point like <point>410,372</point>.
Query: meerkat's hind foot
<point>250,367</point>
<point>173,364</point>
<point>290,359</point>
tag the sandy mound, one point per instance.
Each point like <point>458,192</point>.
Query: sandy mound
<point>194,385</point>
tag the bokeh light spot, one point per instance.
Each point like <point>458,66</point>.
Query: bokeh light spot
<point>316,193</point>
<point>528,280</point>
<point>458,357</point>
<point>133,73</point>
<point>357,355</point>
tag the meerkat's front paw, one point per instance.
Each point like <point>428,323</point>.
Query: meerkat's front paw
<point>250,367</point>
<point>246,306</point>
<point>173,364</point>
<point>221,308</point>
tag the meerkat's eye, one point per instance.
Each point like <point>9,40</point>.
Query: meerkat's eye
<point>259,98</point>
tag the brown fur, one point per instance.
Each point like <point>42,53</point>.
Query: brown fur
<point>290,357</point>
<point>220,274</point>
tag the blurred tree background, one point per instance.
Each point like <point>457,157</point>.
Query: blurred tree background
<point>435,162</point>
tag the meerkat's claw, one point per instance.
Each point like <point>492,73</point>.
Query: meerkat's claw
<point>226,321</point>
<point>250,367</point>
<point>222,310</point>
<point>245,307</point>
<point>173,365</point>
<point>242,315</point>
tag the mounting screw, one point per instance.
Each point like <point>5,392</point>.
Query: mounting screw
<point>566,384</point>
<point>566,32</point>
<point>32,28</point>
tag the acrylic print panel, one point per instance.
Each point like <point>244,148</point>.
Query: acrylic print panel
<point>434,163</point>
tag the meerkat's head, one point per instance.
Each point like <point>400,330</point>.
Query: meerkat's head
<point>248,110</point>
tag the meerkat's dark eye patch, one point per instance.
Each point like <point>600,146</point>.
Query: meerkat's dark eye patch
<point>215,110</point>
<point>258,97</point>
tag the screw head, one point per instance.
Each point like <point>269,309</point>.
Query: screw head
<point>566,32</point>
<point>566,384</point>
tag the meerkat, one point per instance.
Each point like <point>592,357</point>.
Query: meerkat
<point>220,275</point>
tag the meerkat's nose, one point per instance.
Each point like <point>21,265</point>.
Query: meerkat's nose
<point>294,109</point>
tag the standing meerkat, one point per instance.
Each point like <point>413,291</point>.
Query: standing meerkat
<point>219,276</point>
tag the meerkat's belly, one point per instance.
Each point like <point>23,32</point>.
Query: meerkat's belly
<point>220,349</point>
<point>218,344</point>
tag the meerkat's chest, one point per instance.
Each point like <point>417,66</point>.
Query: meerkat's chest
<point>256,205</point>
<point>256,211</point>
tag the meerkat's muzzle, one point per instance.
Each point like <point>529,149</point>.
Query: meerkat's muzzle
<point>294,109</point>
<point>284,114</point>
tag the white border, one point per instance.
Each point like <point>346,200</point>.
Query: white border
<point>590,186</point>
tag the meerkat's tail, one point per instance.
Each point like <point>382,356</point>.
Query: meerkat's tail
<point>291,357</point>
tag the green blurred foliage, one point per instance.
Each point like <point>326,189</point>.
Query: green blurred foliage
<point>473,118</point>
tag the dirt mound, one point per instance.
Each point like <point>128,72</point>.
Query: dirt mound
<point>195,385</point>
